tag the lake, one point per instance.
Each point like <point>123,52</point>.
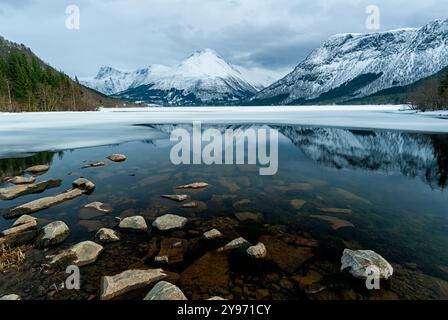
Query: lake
<point>335,188</point>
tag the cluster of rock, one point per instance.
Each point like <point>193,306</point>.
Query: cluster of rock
<point>172,250</point>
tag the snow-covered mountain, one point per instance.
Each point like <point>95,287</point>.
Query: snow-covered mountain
<point>351,66</point>
<point>203,78</point>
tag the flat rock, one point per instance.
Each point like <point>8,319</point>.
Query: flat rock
<point>288,257</point>
<point>44,203</point>
<point>257,252</point>
<point>175,197</point>
<point>11,297</point>
<point>248,216</point>
<point>99,206</point>
<point>235,244</point>
<point>297,203</point>
<point>212,234</point>
<point>336,223</point>
<point>80,254</point>
<point>359,261</point>
<point>117,157</point>
<point>31,225</point>
<point>105,235</point>
<point>94,165</point>
<point>195,185</point>
<point>38,169</point>
<point>169,221</point>
<point>164,290</point>
<point>336,210</point>
<point>135,223</point>
<point>52,234</point>
<point>172,251</point>
<point>113,286</point>
<point>216,298</point>
<point>190,205</point>
<point>21,190</point>
<point>22,180</point>
<point>210,273</point>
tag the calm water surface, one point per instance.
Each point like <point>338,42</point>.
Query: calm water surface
<point>392,185</point>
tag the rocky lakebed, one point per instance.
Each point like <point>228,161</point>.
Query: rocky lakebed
<point>139,227</point>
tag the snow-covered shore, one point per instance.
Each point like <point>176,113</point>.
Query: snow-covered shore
<point>30,132</point>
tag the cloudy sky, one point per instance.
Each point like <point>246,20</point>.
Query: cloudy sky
<point>129,34</point>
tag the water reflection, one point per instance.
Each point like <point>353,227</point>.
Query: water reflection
<point>393,152</point>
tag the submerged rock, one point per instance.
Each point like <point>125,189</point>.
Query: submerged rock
<point>172,251</point>
<point>52,234</point>
<point>359,261</point>
<point>11,297</point>
<point>94,165</point>
<point>164,290</point>
<point>169,221</point>
<point>287,257</point>
<point>190,205</point>
<point>195,185</point>
<point>235,244</point>
<point>248,216</point>
<point>210,273</point>
<point>41,204</point>
<point>105,235</point>
<point>38,169</point>
<point>80,254</point>
<point>297,203</point>
<point>175,197</point>
<point>21,190</point>
<point>99,206</point>
<point>113,286</point>
<point>117,157</point>
<point>336,223</point>
<point>336,210</point>
<point>135,223</point>
<point>22,180</point>
<point>258,251</point>
<point>212,234</point>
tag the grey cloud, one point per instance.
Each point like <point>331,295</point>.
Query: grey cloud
<point>128,34</point>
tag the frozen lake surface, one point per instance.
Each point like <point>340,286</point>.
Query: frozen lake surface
<point>32,132</point>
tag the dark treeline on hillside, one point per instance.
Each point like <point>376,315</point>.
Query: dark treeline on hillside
<point>432,94</point>
<point>28,85</point>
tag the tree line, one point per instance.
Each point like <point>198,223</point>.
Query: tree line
<point>27,84</point>
<point>431,94</point>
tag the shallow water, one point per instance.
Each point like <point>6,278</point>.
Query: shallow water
<point>390,184</point>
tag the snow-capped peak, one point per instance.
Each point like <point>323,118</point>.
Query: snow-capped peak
<point>351,66</point>
<point>106,71</point>
<point>205,75</point>
<point>207,63</point>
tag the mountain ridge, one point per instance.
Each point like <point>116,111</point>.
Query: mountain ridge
<point>202,78</point>
<point>360,65</point>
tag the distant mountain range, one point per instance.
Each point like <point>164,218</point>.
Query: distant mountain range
<point>379,67</point>
<point>352,67</point>
<point>203,78</point>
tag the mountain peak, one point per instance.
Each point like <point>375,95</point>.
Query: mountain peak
<point>106,71</point>
<point>208,63</point>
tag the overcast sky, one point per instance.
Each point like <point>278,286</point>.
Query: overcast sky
<point>129,34</point>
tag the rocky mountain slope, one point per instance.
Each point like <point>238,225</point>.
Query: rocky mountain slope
<point>354,66</point>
